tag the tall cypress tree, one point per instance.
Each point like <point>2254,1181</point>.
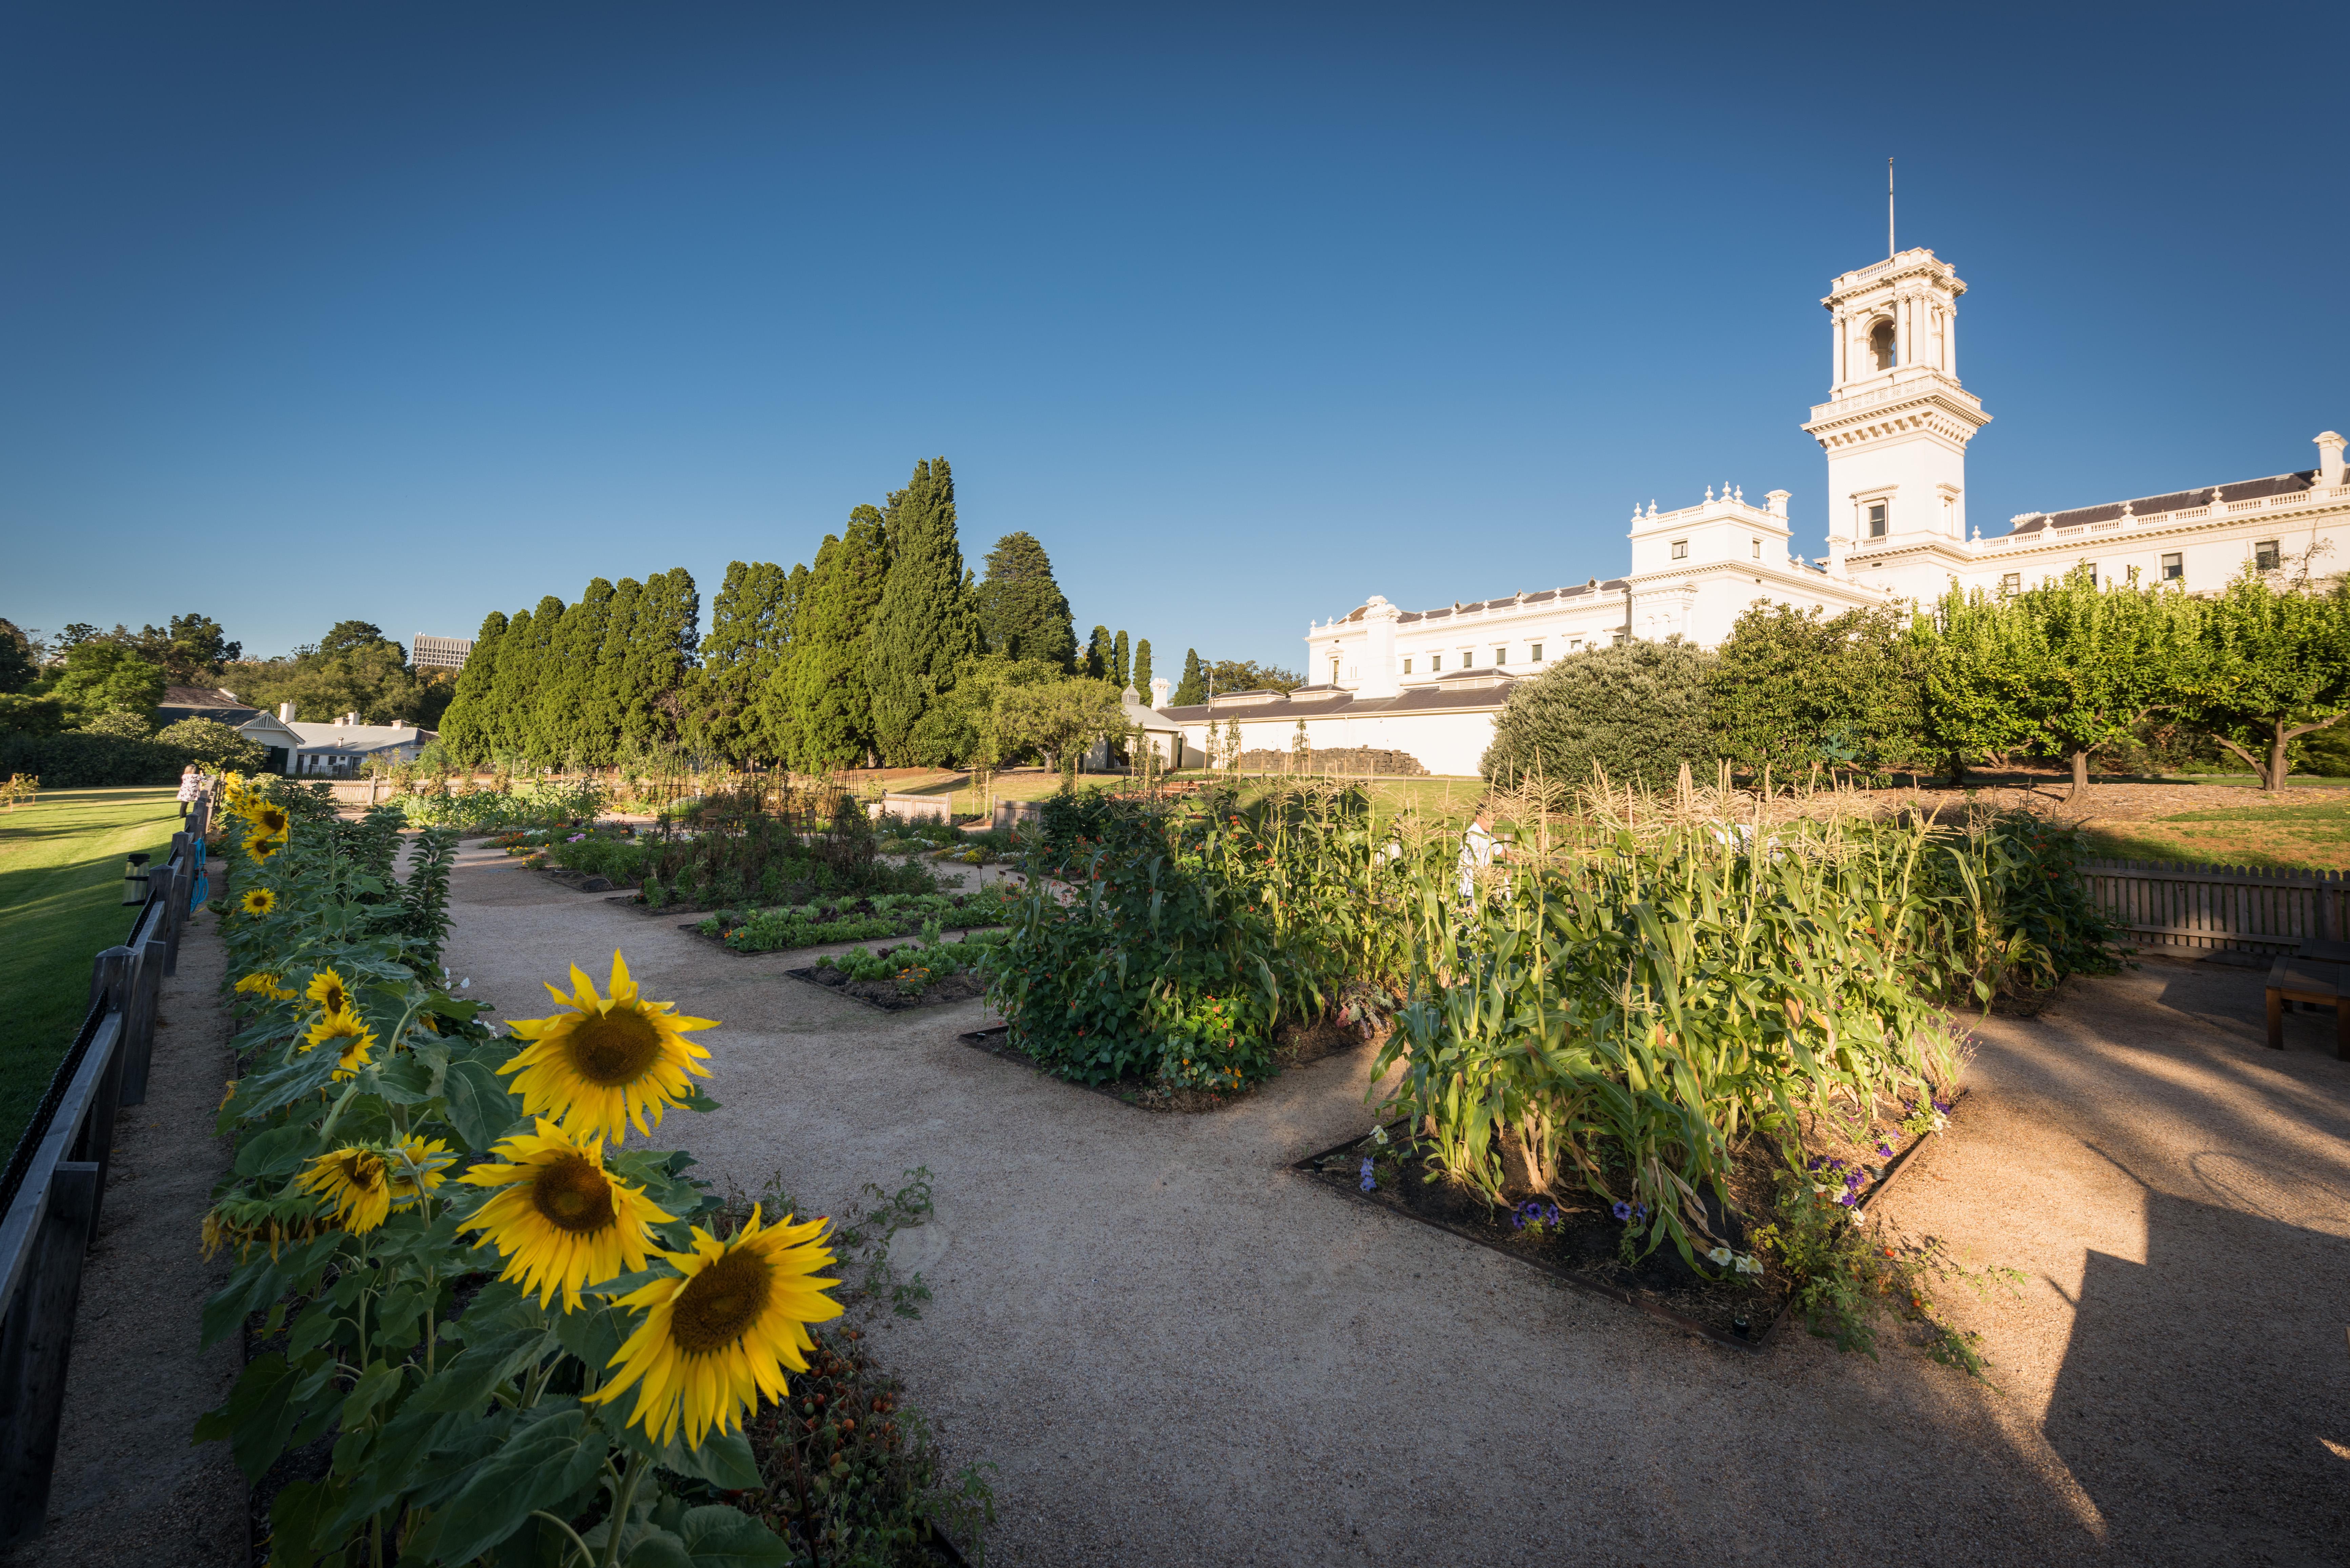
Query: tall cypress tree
<point>773,716</point>
<point>924,634</point>
<point>832,657</point>
<point>1120,659</point>
<point>1022,610</point>
<point>602,729</point>
<point>1098,651</point>
<point>1193,689</point>
<point>748,628</point>
<point>464,729</point>
<point>661,641</point>
<point>1142,668</point>
<point>569,679</point>
<point>517,686</point>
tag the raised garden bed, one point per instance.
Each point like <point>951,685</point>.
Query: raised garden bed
<point>1583,1249</point>
<point>1295,1045</point>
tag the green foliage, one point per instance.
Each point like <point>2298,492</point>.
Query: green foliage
<point>121,722</point>
<point>1193,689</point>
<point>353,668</point>
<point>532,806</point>
<point>521,661</point>
<point>1022,611</point>
<point>467,731</point>
<point>603,726</point>
<point>1142,670</point>
<point>924,632</point>
<point>103,676</point>
<point>1055,719</point>
<point>568,678</point>
<point>1635,712</point>
<point>830,669</point>
<point>31,715</point>
<point>215,745</point>
<point>1094,665</point>
<point>17,669</point>
<point>1120,659</point>
<point>662,639</point>
<point>76,761</point>
<point>1248,675</point>
<point>1791,687</point>
<point>742,660</point>
<point>2270,666</point>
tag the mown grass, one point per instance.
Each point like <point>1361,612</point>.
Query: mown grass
<point>2302,837</point>
<point>60,904</point>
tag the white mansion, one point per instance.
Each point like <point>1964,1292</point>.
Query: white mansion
<point>1895,429</point>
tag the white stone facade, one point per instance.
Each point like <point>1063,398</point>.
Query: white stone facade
<point>1895,431</point>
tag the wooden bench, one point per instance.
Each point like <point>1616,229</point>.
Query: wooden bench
<point>2316,981</point>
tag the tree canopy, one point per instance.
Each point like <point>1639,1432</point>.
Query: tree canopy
<point>1022,611</point>
<point>1635,712</point>
<point>924,630</point>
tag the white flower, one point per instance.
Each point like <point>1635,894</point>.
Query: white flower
<point>1379,1136</point>
<point>1856,1214</point>
<point>1719,1255</point>
<point>1749,1264</point>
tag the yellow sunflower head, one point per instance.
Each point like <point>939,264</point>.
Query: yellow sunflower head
<point>718,1336</point>
<point>356,1181</point>
<point>603,1063</point>
<point>260,848</point>
<point>328,989</point>
<point>268,818</point>
<point>562,1221</point>
<point>263,983</point>
<point>257,901</point>
<point>353,1041</point>
<point>415,1169</point>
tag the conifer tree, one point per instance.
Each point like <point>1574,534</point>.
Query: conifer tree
<point>568,680</point>
<point>661,642</point>
<point>517,685</point>
<point>1098,652</point>
<point>1142,671</point>
<point>1120,657</point>
<point>773,714</point>
<point>833,701</point>
<point>1193,689</point>
<point>601,727</point>
<point>465,733</point>
<point>924,632</point>
<point>1022,611</point>
<point>738,660</point>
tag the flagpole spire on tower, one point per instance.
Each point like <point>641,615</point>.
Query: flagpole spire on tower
<point>1888,210</point>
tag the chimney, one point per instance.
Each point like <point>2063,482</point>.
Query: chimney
<point>1159,689</point>
<point>1379,678</point>
<point>285,712</point>
<point>2329,459</point>
<point>1778,500</point>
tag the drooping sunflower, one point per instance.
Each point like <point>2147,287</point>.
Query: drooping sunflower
<point>429,1160</point>
<point>257,901</point>
<point>328,989</point>
<point>562,1221</point>
<point>263,983</point>
<point>603,1063</point>
<point>353,1039</point>
<point>720,1335</point>
<point>357,1180</point>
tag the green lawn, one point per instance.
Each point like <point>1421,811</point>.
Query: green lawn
<point>2309,837</point>
<point>1449,797</point>
<point>60,904</point>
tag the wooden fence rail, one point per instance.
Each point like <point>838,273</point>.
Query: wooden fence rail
<point>2214,908</point>
<point>56,1180</point>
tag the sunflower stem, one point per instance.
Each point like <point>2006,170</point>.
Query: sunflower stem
<point>625,1496</point>
<point>586,1555</point>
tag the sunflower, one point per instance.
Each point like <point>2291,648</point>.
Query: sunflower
<point>429,1159</point>
<point>356,1181</point>
<point>328,989</point>
<point>262,982</point>
<point>268,818</point>
<point>257,901</point>
<point>718,1336</point>
<point>356,1039</point>
<point>561,1220</point>
<point>261,849</point>
<point>602,1065</point>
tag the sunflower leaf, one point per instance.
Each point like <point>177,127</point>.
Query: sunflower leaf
<point>545,1460</point>
<point>480,1107</point>
<point>725,1460</point>
<point>659,1550</point>
<point>466,1382</point>
<point>722,1537</point>
<point>275,1152</point>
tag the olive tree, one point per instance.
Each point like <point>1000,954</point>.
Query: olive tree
<point>2272,665</point>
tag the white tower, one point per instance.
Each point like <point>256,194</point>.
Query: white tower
<point>1896,423</point>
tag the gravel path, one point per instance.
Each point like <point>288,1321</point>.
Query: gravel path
<point>1177,1352</point>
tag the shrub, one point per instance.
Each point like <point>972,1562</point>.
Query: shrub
<point>1635,712</point>
<point>76,760</point>
<point>30,715</point>
<point>214,746</point>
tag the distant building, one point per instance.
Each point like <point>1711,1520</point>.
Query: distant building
<point>338,751</point>
<point>438,652</point>
<point>203,702</point>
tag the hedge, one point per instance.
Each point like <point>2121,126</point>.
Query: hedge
<point>74,761</point>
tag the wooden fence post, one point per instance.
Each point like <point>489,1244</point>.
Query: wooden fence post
<point>175,910</point>
<point>35,1338</point>
<point>138,1020</point>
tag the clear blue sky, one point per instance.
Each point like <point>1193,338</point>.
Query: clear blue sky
<point>409,312</point>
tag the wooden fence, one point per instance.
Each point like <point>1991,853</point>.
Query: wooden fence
<point>2212,907</point>
<point>49,1197</point>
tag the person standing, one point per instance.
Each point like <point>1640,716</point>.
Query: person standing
<point>192,784</point>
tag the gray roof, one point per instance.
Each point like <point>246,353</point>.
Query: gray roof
<point>2177,501</point>
<point>1465,691</point>
<point>1517,601</point>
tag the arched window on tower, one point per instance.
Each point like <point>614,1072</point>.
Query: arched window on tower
<point>1882,343</point>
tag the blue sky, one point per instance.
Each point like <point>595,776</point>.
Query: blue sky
<point>411,312</point>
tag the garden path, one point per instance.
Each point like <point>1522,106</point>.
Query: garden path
<point>1177,1351</point>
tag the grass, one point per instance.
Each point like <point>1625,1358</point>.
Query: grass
<point>2306,838</point>
<point>61,904</point>
<point>1451,798</point>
